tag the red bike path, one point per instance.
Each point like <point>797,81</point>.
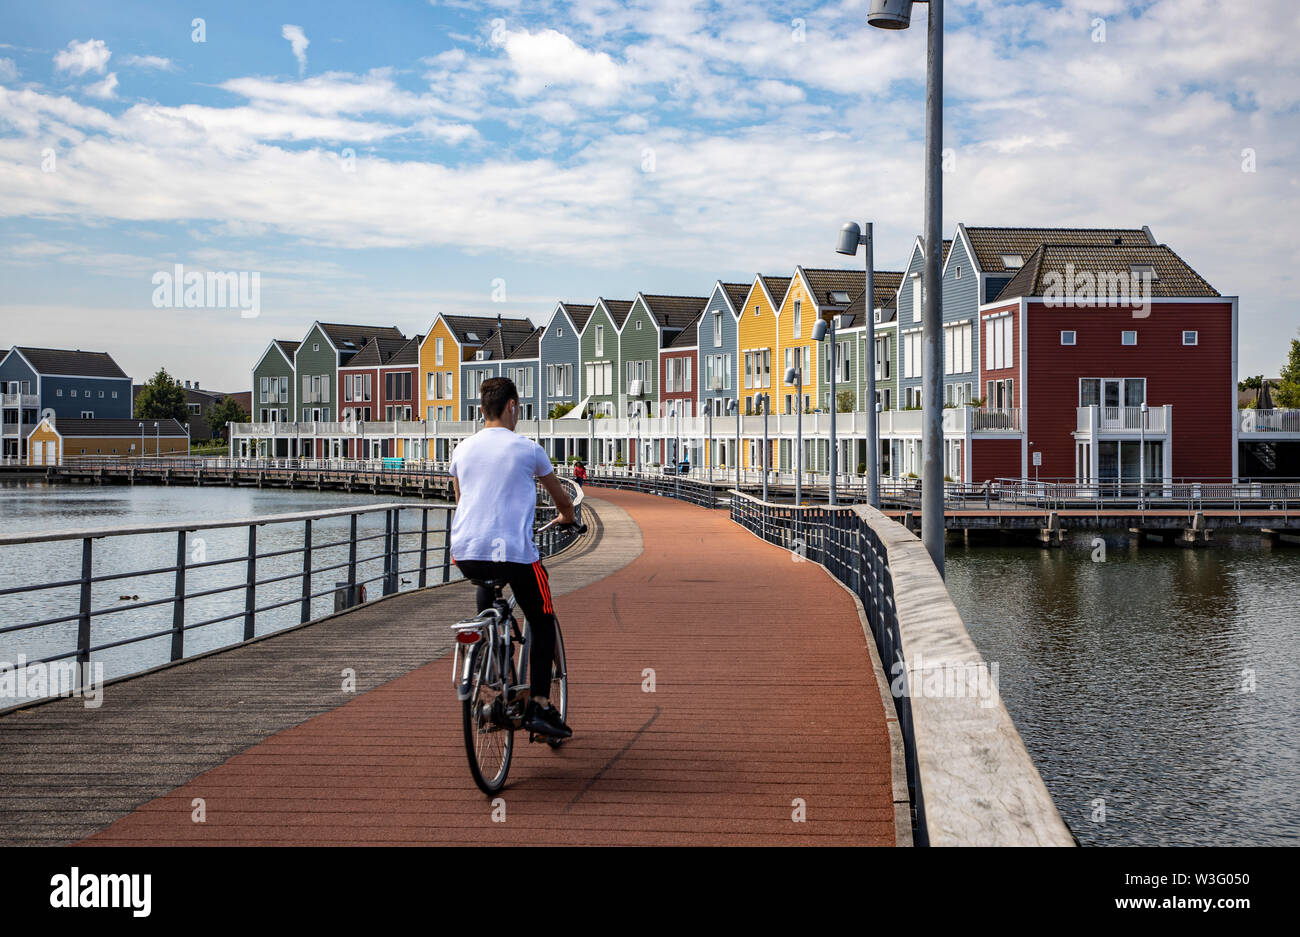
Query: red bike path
<point>765,726</point>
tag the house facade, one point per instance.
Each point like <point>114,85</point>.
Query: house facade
<point>70,384</point>
<point>758,351</point>
<point>559,357</point>
<point>601,357</point>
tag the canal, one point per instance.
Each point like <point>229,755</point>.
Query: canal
<point>39,506</point>
<point>1157,688</point>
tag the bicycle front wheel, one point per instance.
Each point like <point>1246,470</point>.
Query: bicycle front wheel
<point>488,743</point>
<point>559,683</point>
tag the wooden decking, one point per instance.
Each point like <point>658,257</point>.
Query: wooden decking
<point>766,723</point>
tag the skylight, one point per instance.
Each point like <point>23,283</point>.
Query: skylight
<point>839,296</point>
<point>1013,261</point>
<point>472,336</point>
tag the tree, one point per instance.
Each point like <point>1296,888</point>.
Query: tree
<point>844,401</point>
<point>163,398</point>
<point>226,411</point>
<point>1287,392</point>
<point>559,410</point>
<point>1251,383</point>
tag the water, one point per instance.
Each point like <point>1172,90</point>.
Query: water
<point>38,506</point>
<point>1158,692</point>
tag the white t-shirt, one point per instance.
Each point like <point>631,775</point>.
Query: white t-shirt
<point>494,517</point>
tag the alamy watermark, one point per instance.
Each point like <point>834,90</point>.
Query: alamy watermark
<point>1104,288</point>
<point>918,679</point>
<point>212,289</point>
<point>21,681</point>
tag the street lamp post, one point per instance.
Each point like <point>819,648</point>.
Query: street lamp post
<point>142,444</point>
<point>897,14</point>
<point>795,376</point>
<point>819,334</point>
<point>851,237</point>
<point>1142,457</point>
<point>734,404</point>
<point>157,441</point>
<point>708,453</point>
<point>765,403</point>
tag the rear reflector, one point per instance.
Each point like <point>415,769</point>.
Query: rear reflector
<point>467,637</point>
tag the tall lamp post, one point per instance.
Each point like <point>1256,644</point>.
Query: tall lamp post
<point>734,404</point>
<point>851,237</point>
<point>764,402</point>
<point>1142,457</point>
<point>708,453</point>
<point>819,334</point>
<point>795,376</point>
<point>897,14</point>
<point>142,444</point>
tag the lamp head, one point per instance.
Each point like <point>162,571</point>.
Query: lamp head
<point>819,330</point>
<point>791,375</point>
<point>890,14</point>
<point>850,238</point>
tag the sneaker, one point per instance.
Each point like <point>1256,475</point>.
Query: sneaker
<point>545,721</point>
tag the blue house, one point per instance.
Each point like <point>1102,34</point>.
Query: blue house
<point>716,339</point>
<point>911,297</point>
<point>70,385</point>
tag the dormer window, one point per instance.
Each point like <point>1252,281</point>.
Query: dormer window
<point>1013,261</point>
<point>839,297</point>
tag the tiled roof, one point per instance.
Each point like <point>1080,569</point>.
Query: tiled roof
<point>528,348</point>
<point>991,243</point>
<point>618,310</point>
<point>737,292</point>
<point>407,354</point>
<point>377,351</point>
<point>776,288</point>
<point>287,347</point>
<point>1173,276</point>
<point>823,282</point>
<point>76,363</point>
<point>350,338</point>
<point>578,313</point>
<point>885,283</point>
<point>129,428</point>
<point>503,342</point>
<point>481,327</point>
<point>687,337</point>
<point>674,312</point>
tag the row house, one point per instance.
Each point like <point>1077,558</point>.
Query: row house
<point>560,360</point>
<point>677,394</point>
<point>274,389</point>
<point>496,357</point>
<point>1120,360</point>
<point>67,384</point>
<point>327,347</point>
<point>601,355</point>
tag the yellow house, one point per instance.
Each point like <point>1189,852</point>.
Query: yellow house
<point>757,348</point>
<point>440,356</point>
<point>814,293</point>
<point>54,442</point>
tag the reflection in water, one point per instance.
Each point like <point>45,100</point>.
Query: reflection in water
<point>36,506</point>
<point>1126,679</point>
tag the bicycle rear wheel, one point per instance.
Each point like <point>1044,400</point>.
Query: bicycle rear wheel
<point>559,683</point>
<point>488,744</point>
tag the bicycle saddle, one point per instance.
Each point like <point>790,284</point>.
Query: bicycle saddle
<point>491,583</point>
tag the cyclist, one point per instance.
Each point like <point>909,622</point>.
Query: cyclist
<point>492,533</point>
<point>579,473</point>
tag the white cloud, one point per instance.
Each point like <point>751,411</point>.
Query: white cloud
<point>8,70</point>
<point>550,58</point>
<point>299,42</point>
<point>103,89</point>
<point>79,58</point>
<point>149,61</point>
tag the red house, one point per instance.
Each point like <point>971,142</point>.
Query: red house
<point>360,392</point>
<point>678,386</point>
<point>1120,359</point>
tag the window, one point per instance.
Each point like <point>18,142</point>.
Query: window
<point>315,346</point>
<point>958,272</point>
<point>1013,261</point>
<point>101,395</point>
<point>600,339</point>
<point>957,348</point>
<point>998,344</point>
<point>74,391</point>
<point>798,315</point>
<point>559,332</point>
<point>756,310</point>
<point>917,299</point>
<point>87,414</point>
<point>1191,338</point>
<point>717,328</point>
<point>1129,337</point>
<point>749,364</point>
<point>114,395</point>
<point>59,392</point>
<point>437,351</point>
<point>1067,338</point>
<point>638,325</point>
<point>265,385</point>
<point>910,349</point>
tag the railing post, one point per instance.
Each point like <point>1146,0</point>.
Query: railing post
<point>424,545</point>
<point>353,598</point>
<point>178,603</point>
<point>250,584</point>
<point>83,615</point>
<point>388,551</point>
<point>394,574</point>
<point>305,615</point>
<point>446,544</point>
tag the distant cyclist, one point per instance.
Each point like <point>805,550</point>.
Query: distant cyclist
<point>492,533</point>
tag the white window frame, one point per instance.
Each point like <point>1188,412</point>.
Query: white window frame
<point>1195,336</point>
<point>1124,337</point>
<point>1069,337</point>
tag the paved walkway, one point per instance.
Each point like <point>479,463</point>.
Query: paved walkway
<point>764,707</point>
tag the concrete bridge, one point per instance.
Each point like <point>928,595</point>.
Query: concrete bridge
<point>724,690</point>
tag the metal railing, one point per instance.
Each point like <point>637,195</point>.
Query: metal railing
<point>1190,494</point>
<point>275,571</point>
<point>683,489</point>
<point>1269,421</point>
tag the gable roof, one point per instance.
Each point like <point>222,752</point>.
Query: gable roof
<point>76,363</point>
<point>990,243</point>
<point>823,282</point>
<point>776,288</point>
<point>348,338</point>
<point>884,284</point>
<point>617,309</point>
<point>1173,276</point>
<point>287,348</point>
<point>376,352</point>
<point>673,312</point>
<point>407,354</point>
<point>529,347</point>
<point>506,338</point>
<point>578,314</point>
<point>688,337</point>
<point>475,330</point>
<point>736,293</point>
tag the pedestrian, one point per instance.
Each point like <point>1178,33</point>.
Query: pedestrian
<point>579,472</point>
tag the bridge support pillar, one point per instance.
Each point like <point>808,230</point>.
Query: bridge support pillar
<point>1281,537</point>
<point>1198,535</point>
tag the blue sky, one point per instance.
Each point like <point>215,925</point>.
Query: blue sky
<point>385,161</point>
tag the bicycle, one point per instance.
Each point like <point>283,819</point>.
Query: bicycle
<point>490,673</point>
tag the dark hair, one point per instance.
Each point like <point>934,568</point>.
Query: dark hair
<point>494,394</point>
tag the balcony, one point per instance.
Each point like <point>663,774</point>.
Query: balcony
<point>1269,421</point>
<point>21,400</point>
<point>1122,421</point>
